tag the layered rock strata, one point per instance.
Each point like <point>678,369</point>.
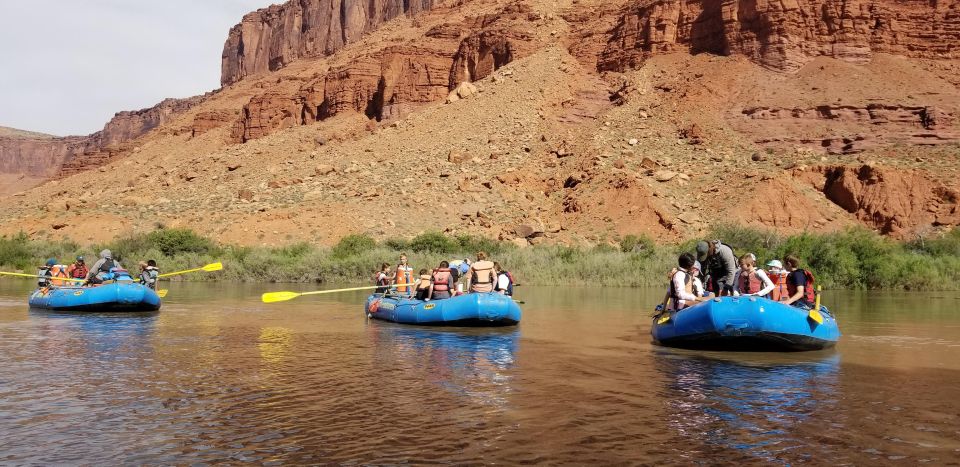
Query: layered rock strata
<point>270,38</point>
<point>784,34</point>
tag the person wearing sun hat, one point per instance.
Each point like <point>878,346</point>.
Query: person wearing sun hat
<point>778,276</point>
<point>720,265</point>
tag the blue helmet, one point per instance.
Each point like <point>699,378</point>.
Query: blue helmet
<point>51,262</point>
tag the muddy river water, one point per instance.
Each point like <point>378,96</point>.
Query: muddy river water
<point>217,376</point>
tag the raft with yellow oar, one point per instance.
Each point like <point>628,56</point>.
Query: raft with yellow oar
<point>121,295</point>
<point>746,323</point>
<point>469,310</point>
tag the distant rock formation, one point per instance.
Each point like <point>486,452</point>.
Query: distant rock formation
<point>270,38</point>
<point>784,34</point>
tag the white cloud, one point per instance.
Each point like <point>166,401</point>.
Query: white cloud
<point>66,66</point>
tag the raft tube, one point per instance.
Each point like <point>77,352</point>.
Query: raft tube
<point>124,296</point>
<point>746,324</point>
<point>474,309</point>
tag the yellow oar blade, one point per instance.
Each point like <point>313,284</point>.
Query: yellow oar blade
<point>162,293</point>
<point>816,316</point>
<point>273,297</point>
<point>213,267</point>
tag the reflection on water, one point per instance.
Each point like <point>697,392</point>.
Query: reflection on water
<point>749,406</point>
<point>468,363</point>
<point>217,376</point>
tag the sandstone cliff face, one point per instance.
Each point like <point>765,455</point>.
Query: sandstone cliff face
<point>392,81</point>
<point>47,157</point>
<point>270,38</point>
<point>784,34</point>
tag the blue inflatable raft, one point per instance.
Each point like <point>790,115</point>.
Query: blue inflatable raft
<point>746,323</point>
<point>475,309</point>
<point>124,296</point>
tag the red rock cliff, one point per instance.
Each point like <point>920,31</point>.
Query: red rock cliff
<point>270,38</point>
<point>785,34</point>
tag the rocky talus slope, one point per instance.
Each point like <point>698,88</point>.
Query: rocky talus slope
<point>531,121</point>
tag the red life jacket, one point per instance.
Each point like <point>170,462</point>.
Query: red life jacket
<point>441,278</point>
<point>79,272</point>
<point>809,294</point>
<point>749,283</point>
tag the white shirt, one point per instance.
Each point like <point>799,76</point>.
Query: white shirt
<point>762,275</point>
<point>503,282</point>
<point>679,286</point>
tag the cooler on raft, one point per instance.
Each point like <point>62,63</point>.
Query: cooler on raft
<point>745,323</point>
<point>473,309</point>
<point>123,296</point>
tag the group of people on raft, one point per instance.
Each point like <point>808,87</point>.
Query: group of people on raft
<point>725,274</point>
<point>446,280</point>
<point>52,274</point>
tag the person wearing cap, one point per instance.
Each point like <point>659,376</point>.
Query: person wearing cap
<point>45,273</point>
<point>721,265</point>
<point>778,276</point>
<point>78,270</point>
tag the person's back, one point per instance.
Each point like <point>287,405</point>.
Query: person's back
<point>482,275</point>
<point>442,282</point>
<point>504,282</point>
<point>423,285</point>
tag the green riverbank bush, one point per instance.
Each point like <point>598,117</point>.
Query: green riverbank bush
<point>852,259</point>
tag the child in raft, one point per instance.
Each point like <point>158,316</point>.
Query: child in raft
<point>149,274</point>
<point>382,279</point>
<point>751,280</point>
<point>423,285</point>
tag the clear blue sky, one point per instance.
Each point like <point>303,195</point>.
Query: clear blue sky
<point>66,66</point>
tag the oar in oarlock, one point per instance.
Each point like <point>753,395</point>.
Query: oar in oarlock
<point>273,297</point>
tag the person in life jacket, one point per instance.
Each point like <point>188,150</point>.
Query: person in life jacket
<point>751,280</point>
<point>44,273</point>
<point>481,277</point>
<point>778,276</point>
<point>443,282</point>
<point>78,270</point>
<point>404,277</point>
<point>721,265</point>
<point>149,273</point>
<point>101,270</point>
<point>684,289</point>
<point>424,281</point>
<point>799,285</point>
<point>504,280</point>
<point>382,279</point>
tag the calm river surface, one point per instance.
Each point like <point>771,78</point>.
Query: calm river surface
<point>218,376</point>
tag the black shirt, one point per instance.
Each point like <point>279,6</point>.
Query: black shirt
<point>798,278</point>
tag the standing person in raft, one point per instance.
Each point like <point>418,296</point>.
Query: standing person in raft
<point>720,264</point>
<point>481,276</point>
<point>404,276</point>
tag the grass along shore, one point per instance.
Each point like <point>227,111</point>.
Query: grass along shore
<point>853,259</point>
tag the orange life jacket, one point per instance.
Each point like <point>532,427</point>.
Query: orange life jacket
<point>749,283</point>
<point>780,291</point>
<point>404,276</point>
<point>483,277</point>
<point>808,293</point>
<point>58,270</point>
<point>441,280</point>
